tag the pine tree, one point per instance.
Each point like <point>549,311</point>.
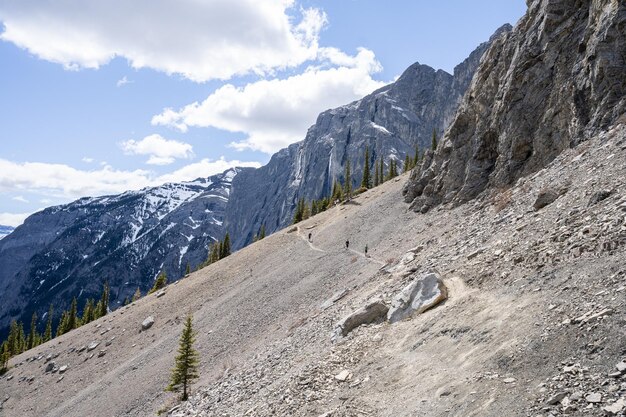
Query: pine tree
<point>337,191</point>
<point>348,181</point>
<point>32,336</point>
<point>262,232</point>
<point>366,181</point>
<point>48,332</point>
<point>188,269</point>
<point>186,363</point>
<point>136,295</point>
<point>104,301</point>
<point>62,327</point>
<point>376,177</point>
<point>416,157</point>
<point>13,339</point>
<point>215,251</point>
<point>21,338</point>
<point>72,317</point>
<point>5,354</point>
<point>226,247</point>
<point>382,171</point>
<point>159,283</point>
<point>87,312</point>
<point>407,163</point>
<point>433,144</point>
<point>298,215</point>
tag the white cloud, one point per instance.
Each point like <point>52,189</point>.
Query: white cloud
<point>13,219</point>
<point>45,201</point>
<point>65,182</point>
<point>87,160</point>
<point>161,151</point>
<point>275,113</point>
<point>20,199</point>
<point>123,81</point>
<point>201,40</point>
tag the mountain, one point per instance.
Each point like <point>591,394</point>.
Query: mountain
<point>391,122</point>
<point>71,250</point>
<point>554,81</point>
<point>5,230</point>
<point>125,239</point>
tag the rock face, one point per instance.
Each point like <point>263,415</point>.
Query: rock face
<point>390,121</point>
<point>424,292</point>
<point>125,239</point>
<point>552,82</point>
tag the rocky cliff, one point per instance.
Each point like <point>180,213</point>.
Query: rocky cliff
<point>555,80</point>
<point>391,122</point>
<point>70,250</point>
<point>5,231</point>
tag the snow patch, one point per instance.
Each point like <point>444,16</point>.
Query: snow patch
<point>380,128</point>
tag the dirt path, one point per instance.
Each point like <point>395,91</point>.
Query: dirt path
<point>311,245</point>
<point>368,257</point>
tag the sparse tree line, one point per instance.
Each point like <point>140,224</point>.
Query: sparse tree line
<point>18,341</point>
<point>343,192</point>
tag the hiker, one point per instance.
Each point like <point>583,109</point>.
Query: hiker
<point>347,244</point>
<point>365,250</point>
<point>310,236</point>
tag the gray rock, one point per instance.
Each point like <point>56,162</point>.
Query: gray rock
<point>621,366</point>
<point>102,353</point>
<point>515,119</point>
<point>374,311</point>
<point>62,369</point>
<point>556,398</point>
<point>599,196</point>
<point>594,397</point>
<point>545,197</point>
<point>616,407</point>
<point>49,367</point>
<point>92,346</point>
<point>424,292</point>
<point>147,323</point>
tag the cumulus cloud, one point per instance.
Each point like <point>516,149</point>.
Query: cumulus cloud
<point>65,182</point>
<point>160,150</point>
<point>201,40</point>
<point>274,113</point>
<point>87,160</point>
<point>13,219</point>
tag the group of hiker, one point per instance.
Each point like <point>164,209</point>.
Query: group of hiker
<point>347,243</point>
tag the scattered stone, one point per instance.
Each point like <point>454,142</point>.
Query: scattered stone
<point>63,369</point>
<point>60,378</point>
<point>621,366</point>
<point>599,196</point>
<point>616,407</point>
<point>332,300</point>
<point>92,346</point>
<point>160,294</point>
<point>102,353</point>
<point>594,397</point>
<point>508,380</point>
<point>375,310</point>
<point>545,197</point>
<point>50,367</point>
<point>147,323</point>
<point>343,376</point>
<point>426,291</point>
<point>556,398</point>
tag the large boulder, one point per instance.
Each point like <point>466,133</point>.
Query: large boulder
<point>424,292</point>
<point>374,311</point>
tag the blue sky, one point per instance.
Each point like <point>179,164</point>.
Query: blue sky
<point>100,97</point>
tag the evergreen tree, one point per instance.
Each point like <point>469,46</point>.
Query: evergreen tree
<point>13,339</point>
<point>186,363</point>
<point>62,327</point>
<point>32,336</point>
<point>159,283</point>
<point>215,252</point>
<point>416,157</point>
<point>366,181</point>
<point>88,311</point>
<point>136,295</point>
<point>104,301</point>
<point>407,163</point>
<point>21,337</point>
<point>5,354</point>
<point>337,191</point>
<point>348,185</point>
<point>298,215</point>
<point>226,246</point>
<point>48,332</point>
<point>188,269</point>
<point>72,316</point>
<point>376,177</point>
<point>433,144</point>
<point>262,232</point>
<point>382,171</point>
